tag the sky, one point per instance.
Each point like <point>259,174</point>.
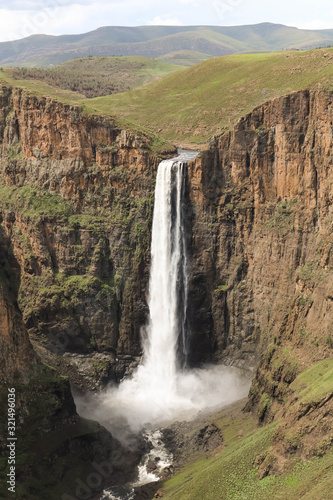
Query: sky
<point>21,18</point>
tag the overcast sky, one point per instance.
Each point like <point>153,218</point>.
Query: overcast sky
<point>20,18</point>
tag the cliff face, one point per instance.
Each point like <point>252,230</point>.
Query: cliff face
<point>76,206</point>
<point>74,219</point>
<point>76,203</point>
<point>262,253</point>
<point>55,451</point>
<point>262,199</point>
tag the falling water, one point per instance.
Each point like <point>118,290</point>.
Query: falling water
<point>168,281</point>
<point>163,389</point>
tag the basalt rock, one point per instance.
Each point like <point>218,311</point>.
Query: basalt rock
<point>76,207</point>
<point>262,256</point>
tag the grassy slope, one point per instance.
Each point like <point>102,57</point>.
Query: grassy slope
<point>184,57</point>
<point>192,105</point>
<point>98,76</point>
<point>231,475</point>
<point>41,88</point>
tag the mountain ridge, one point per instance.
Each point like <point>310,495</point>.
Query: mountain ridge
<point>158,41</point>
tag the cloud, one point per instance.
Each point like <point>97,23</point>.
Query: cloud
<point>165,21</point>
<point>35,5</point>
<point>316,24</point>
<point>52,18</point>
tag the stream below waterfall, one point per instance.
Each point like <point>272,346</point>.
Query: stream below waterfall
<point>163,389</point>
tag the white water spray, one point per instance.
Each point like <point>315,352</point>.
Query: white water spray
<point>160,391</point>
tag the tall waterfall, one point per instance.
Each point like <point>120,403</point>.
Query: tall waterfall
<point>162,389</point>
<point>165,336</point>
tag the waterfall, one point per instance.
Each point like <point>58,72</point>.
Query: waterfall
<point>164,338</point>
<point>162,388</point>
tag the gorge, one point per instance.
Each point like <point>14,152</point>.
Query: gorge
<point>162,390</point>
<point>76,221</point>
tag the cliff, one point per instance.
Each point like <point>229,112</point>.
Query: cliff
<point>76,203</point>
<point>53,452</point>
<point>262,253</point>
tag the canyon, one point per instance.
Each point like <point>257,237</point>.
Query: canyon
<point>76,206</point>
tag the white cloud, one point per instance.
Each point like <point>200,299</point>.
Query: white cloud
<point>56,19</point>
<point>316,24</point>
<point>165,21</point>
<point>11,24</point>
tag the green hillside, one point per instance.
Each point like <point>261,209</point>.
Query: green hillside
<point>187,107</point>
<point>192,105</point>
<point>184,57</point>
<point>232,472</point>
<point>158,41</point>
<point>98,76</point>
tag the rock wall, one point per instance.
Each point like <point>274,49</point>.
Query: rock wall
<point>55,451</point>
<point>262,242</point>
<point>75,209</point>
<point>76,206</point>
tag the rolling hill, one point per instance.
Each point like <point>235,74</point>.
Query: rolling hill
<point>160,41</point>
<point>189,106</point>
<point>99,76</point>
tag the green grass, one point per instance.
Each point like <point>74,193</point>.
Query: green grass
<point>184,57</point>
<point>314,383</point>
<point>191,105</point>
<point>194,104</point>
<point>40,88</point>
<point>232,474</point>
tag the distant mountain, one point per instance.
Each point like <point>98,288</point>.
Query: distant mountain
<point>193,43</point>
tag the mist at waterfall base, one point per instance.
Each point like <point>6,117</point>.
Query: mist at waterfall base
<point>162,389</point>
